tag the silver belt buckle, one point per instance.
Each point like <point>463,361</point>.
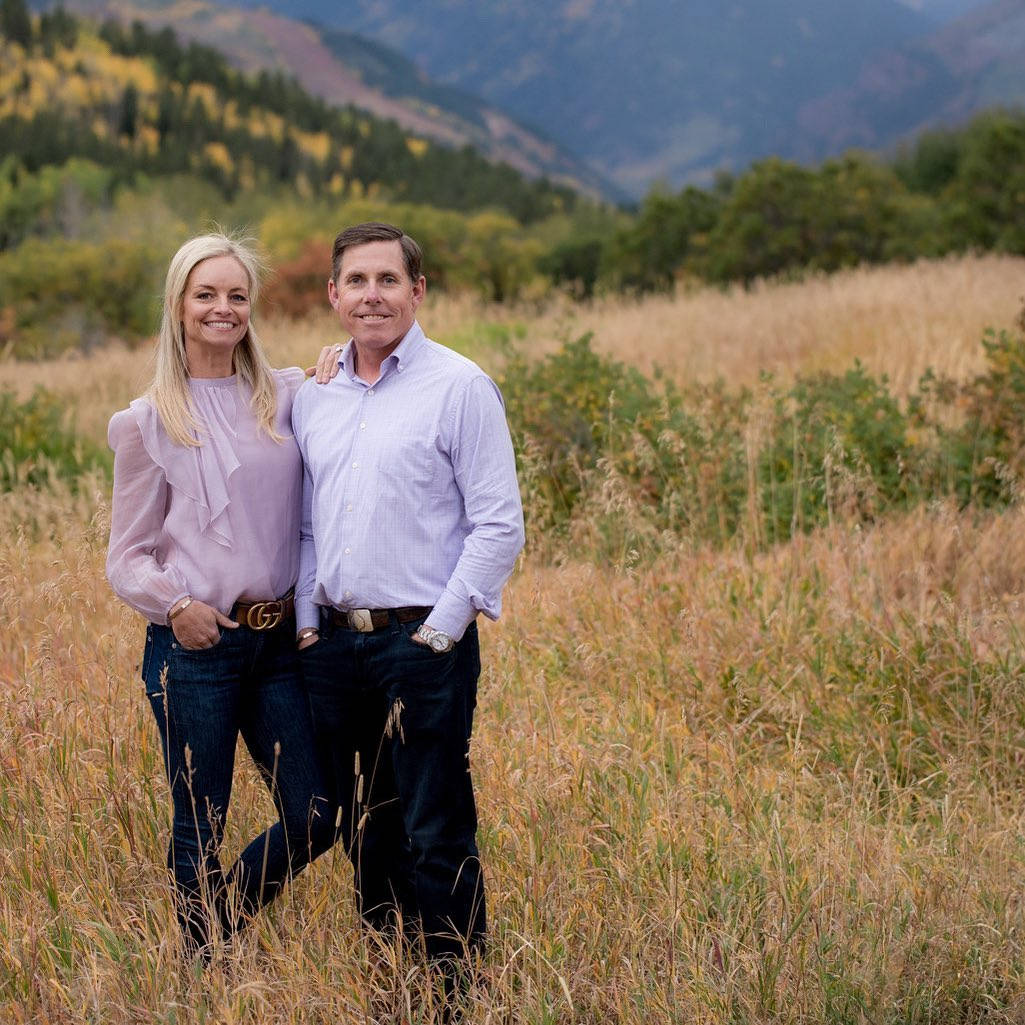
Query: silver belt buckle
<point>360,619</point>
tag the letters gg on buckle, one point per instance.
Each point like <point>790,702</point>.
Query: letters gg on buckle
<point>264,615</point>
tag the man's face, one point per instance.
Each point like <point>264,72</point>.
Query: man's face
<point>374,298</point>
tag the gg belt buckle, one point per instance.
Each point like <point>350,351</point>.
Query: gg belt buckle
<point>264,615</point>
<point>361,620</point>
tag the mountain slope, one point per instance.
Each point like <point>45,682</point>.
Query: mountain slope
<point>648,89</point>
<point>658,89</point>
<point>382,82</point>
<point>973,63</point>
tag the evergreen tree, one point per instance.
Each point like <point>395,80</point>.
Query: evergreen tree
<point>15,22</point>
<point>129,113</point>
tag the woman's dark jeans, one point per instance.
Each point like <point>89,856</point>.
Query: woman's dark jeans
<point>393,722</point>
<point>247,683</point>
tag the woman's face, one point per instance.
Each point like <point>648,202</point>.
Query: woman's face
<point>215,310</point>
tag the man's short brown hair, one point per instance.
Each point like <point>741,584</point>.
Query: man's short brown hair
<point>377,231</point>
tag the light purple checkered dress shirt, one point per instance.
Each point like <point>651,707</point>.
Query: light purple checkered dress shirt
<point>410,494</point>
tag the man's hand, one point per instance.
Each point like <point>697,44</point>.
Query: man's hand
<point>308,640</point>
<point>197,626</point>
<point>327,364</point>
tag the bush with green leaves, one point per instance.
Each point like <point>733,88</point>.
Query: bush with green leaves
<point>639,459</point>
<point>62,294</point>
<point>38,444</point>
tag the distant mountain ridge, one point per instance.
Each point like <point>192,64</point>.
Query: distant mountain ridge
<point>613,96</point>
<point>661,90</point>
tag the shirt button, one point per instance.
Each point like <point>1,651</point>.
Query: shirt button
<point>355,466</point>
<point>348,594</point>
<point>348,551</point>
<point>348,508</point>
<point>363,426</point>
<point>370,391</point>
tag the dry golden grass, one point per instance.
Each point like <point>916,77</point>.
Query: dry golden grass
<point>896,320</point>
<point>779,786</point>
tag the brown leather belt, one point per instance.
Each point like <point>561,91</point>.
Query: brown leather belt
<point>368,620</point>
<point>264,615</point>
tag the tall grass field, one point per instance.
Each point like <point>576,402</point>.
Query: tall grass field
<point>721,777</point>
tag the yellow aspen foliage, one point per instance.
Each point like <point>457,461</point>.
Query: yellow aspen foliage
<point>147,138</point>
<point>336,186</point>
<point>206,94</point>
<point>345,157</point>
<point>44,72</point>
<point>217,153</point>
<point>267,125</point>
<point>246,175</point>
<point>316,144</point>
<point>77,92</point>
<point>418,147</point>
<point>117,72</point>
<point>40,94</point>
<point>231,116</point>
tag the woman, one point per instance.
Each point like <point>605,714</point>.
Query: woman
<point>204,542</point>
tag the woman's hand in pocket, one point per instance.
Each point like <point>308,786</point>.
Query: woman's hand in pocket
<point>198,625</point>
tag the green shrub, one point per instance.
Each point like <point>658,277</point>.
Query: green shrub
<point>75,295</point>
<point>839,447</point>
<point>626,462</point>
<point>986,453</point>
<point>38,445</point>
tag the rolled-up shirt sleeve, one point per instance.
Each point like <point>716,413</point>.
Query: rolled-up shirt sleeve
<point>138,508</point>
<point>484,468</point>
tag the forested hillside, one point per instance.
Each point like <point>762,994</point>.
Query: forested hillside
<point>139,101</point>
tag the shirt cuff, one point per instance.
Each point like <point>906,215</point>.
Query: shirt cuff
<point>307,613</point>
<point>451,615</point>
<point>167,617</point>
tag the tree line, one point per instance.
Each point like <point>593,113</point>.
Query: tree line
<point>951,190</point>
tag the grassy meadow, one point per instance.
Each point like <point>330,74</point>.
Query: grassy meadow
<point>737,783</point>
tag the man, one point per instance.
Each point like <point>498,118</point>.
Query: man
<point>412,524</point>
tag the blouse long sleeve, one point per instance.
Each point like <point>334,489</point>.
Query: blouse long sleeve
<point>134,566</point>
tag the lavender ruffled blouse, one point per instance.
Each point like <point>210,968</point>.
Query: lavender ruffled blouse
<point>219,522</point>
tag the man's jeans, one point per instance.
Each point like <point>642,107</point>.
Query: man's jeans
<point>247,683</point>
<point>393,722</point>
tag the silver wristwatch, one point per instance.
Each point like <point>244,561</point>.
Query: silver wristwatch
<point>436,640</point>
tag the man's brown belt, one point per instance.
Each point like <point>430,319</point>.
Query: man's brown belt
<point>367,620</point>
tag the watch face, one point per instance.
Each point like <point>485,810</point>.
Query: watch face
<point>439,641</point>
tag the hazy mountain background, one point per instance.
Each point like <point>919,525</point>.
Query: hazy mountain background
<point>617,95</point>
<point>648,90</point>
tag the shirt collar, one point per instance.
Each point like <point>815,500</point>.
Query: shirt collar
<point>412,342</point>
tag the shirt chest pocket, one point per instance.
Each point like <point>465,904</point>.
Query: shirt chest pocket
<point>410,463</point>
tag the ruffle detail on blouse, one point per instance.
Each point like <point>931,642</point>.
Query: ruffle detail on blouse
<point>200,473</point>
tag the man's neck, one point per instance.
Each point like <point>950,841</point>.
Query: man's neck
<point>367,363</point>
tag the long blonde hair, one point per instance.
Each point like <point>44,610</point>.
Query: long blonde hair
<point>169,391</point>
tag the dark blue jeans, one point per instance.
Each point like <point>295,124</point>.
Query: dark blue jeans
<point>393,722</point>
<point>247,683</point>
